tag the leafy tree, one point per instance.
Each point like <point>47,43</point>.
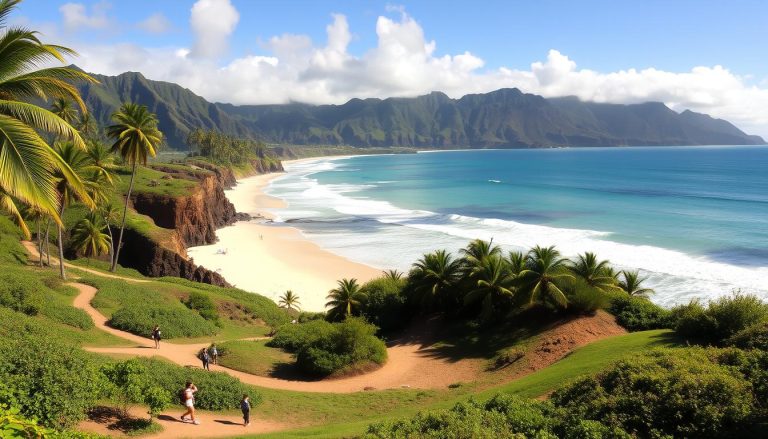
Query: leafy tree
<point>434,277</point>
<point>594,272</point>
<point>26,159</point>
<point>128,384</point>
<point>136,136</point>
<point>88,237</point>
<point>632,284</point>
<point>289,300</point>
<point>345,300</point>
<point>493,282</point>
<point>544,269</point>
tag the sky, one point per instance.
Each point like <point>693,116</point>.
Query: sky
<point>702,55</point>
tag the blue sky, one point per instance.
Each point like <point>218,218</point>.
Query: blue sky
<point>277,44</point>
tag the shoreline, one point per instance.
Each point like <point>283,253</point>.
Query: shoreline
<point>270,258</point>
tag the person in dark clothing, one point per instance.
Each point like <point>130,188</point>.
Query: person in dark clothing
<point>156,336</point>
<point>205,358</point>
<point>245,406</point>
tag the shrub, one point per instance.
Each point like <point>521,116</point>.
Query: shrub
<point>140,319</point>
<point>583,298</point>
<point>203,304</point>
<point>677,392</point>
<point>323,348</point>
<point>752,337</point>
<point>508,357</point>
<point>294,337</point>
<point>50,381</point>
<point>639,314</point>
<point>306,316</point>
<point>217,390</point>
<point>386,305</point>
<point>721,319</point>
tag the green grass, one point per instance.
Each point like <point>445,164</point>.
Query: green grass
<point>252,356</point>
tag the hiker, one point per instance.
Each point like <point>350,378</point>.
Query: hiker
<point>188,397</point>
<point>156,336</point>
<point>245,406</point>
<point>205,358</point>
<point>214,354</point>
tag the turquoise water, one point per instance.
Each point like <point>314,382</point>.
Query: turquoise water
<point>693,219</point>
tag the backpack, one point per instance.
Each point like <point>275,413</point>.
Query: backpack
<point>183,396</point>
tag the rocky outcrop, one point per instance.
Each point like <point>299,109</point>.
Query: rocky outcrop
<point>190,219</point>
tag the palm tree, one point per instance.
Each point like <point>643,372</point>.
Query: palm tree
<point>345,299</point>
<point>543,271</point>
<point>79,163</point>
<point>289,300</point>
<point>516,262</point>
<point>393,275</point>
<point>110,213</point>
<point>632,284</point>
<point>9,206</point>
<point>88,237</point>
<point>65,110</point>
<point>493,281</point>
<point>102,161</point>
<point>26,159</point>
<point>595,273</point>
<point>435,275</point>
<point>136,137</point>
<point>87,126</point>
<point>477,250</point>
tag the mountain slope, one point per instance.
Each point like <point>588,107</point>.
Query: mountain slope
<point>505,118</point>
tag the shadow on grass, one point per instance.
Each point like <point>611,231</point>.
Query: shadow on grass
<point>116,420</point>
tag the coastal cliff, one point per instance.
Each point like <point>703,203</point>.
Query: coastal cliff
<point>184,220</point>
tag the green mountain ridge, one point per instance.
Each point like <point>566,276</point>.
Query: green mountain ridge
<point>505,118</point>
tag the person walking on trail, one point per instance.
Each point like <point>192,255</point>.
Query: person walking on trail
<point>205,358</point>
<point>245,406</point>
<point>156,336</point>
<point>214,354</point>
<point>188,396</point>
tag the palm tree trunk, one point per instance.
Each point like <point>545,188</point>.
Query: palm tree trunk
<point>111,242</point>
<point>122,225</point>
<point>40,243</point>
<point>61,241</point>
<point>48,242</point>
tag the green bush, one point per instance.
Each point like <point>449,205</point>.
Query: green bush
<point>350,343</point>
<point>583,298</point>
<point>294,337</point>
<point>203,304</point>
<point>386,305</point>
<point>676,392</point>
<point>752,337</point>
<point>216,390</point>
<point>47,380</point>
<point>141,319</point>
<point>638,314</point>
<point>720,319</point>
<point>307,316</point>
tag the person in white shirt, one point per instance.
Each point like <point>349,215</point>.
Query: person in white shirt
<point>189,402</point>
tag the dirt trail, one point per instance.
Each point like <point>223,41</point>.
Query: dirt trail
<point>32,249</point>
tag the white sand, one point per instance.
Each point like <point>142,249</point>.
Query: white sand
<point>269,259</point>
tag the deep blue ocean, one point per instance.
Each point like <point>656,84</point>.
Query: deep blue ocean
<point>694,220</point>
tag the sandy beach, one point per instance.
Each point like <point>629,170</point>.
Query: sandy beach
<point>270,258</point>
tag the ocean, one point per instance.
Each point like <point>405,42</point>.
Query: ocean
<point>693,220</point>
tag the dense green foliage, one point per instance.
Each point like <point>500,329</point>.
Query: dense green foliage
<point>229,150</point>
<point>127,383</point>
<point>720,319</point>
<point>50,381</point>
<point>639,313</point>
<point>386,305</point>
<point>751,337</point>
<point>217,390</point>
<point>324,348</point>
<point>137,308</point>
<point>203,304</point>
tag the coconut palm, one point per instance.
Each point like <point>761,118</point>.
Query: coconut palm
<point>345,300</point>
<point>87,126</point>
<point>26,159</point>
<point>88,237</point>
<point>289,300</point>
<point>65,110</point>
<point>10,206</point>
<point>594,272</point>
<point>80,165</point>
<point>102,161</point>
<point>435,275</point>
<point>632,284</point>
<point>493,281</point>
<point>136,137</point>
<point>516,262</point>
<point>539,281</point>
<point>477,250</point>
<point>393,275</point>
<point>110,213</point>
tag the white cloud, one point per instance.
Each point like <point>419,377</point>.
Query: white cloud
<point>155,23</point>
<point>212,21</point>
<point>76,16</point>
<point>405,63</point>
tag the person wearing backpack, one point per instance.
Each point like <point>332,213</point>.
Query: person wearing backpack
<point>245,406</point>
<point>156,336</point>
<point>214,354</point>
<point>188,399</point>
<point>205,358</point>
